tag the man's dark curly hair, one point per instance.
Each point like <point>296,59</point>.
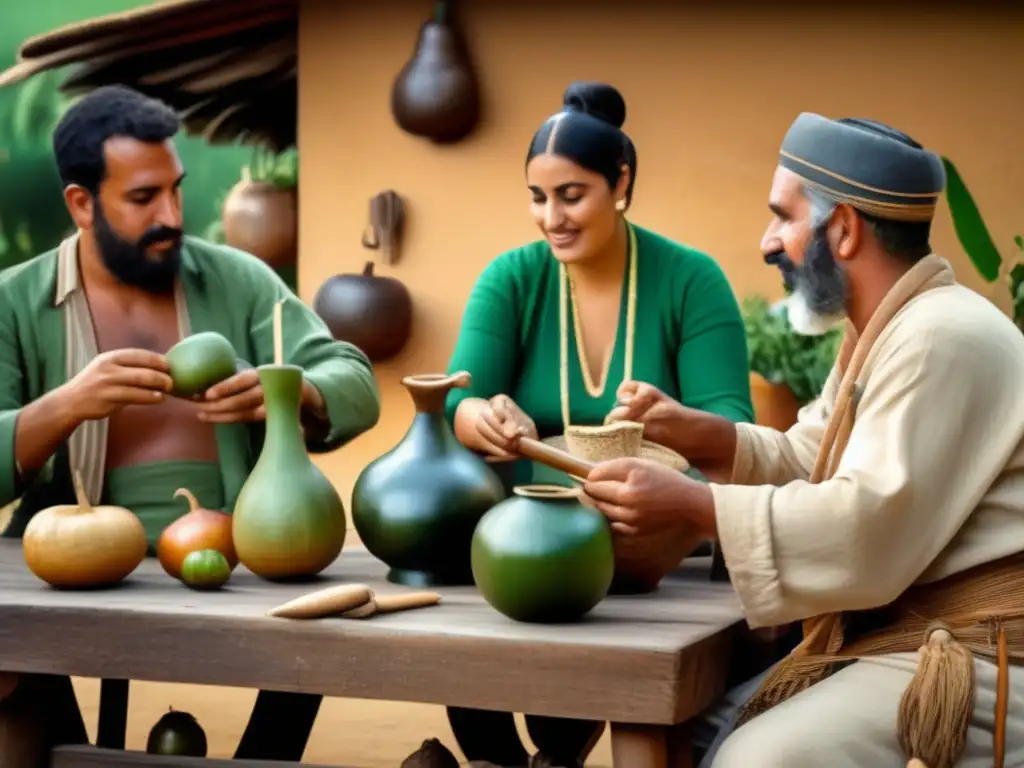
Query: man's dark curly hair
<point>112,110</point>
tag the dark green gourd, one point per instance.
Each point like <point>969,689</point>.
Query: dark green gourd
<point>542,556</point>
<point>289,521</point>
<point>415,507</point>
<point>177,733</point>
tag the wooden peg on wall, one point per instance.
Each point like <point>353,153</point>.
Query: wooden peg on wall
<point>386,225</point>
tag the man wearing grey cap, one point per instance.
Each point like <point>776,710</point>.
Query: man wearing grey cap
<point>890,519</point>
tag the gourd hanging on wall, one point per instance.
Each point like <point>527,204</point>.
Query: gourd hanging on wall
<point>436,95</point>
<point>371,311</point>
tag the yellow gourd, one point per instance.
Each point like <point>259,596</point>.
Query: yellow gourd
<point>81,546</point>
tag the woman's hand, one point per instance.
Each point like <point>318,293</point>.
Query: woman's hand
<point>492,426</point>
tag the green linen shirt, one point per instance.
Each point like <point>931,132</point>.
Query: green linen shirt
<point>47,337</point>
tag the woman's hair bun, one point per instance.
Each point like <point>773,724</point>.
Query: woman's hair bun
<point>598,100</point>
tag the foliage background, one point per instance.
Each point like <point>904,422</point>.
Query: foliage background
<point>32,214</point>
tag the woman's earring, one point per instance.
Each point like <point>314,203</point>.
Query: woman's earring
<point>620,205</point>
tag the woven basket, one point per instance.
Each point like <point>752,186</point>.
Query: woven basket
<point>616,440</point>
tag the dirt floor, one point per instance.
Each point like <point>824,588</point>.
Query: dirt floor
<point>350,732</point>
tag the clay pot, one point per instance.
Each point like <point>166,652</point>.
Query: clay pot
<point>372,312</point>
<point>542,556</point>
<point>415,507</point>
<point>774,404</point>
<point>261,218</point>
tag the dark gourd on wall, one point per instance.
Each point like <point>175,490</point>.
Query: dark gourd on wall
<point>374,312</point>
<point>436,94</point>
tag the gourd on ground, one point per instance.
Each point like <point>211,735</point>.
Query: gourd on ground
<point>81,545</point>
<point>288,521</point>
<point>177,733</point>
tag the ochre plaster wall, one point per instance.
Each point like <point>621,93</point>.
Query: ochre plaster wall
<point>709,93</point>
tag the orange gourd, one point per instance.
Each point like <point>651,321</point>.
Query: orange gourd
<point>198,529</point>
<point>83,546</point>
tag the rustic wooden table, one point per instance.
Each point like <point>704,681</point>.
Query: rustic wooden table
<point>646,664</point>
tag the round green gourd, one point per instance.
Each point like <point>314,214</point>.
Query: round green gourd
<point>199,361</point>
<point>541,556</point>
<point>205,569</point>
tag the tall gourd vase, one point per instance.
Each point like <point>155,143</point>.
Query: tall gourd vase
<point>415,508</point>
<point>288,522</point>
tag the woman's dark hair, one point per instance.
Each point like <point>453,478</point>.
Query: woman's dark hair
<point>588,132</point>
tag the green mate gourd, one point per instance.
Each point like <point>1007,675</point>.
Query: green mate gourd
<point>199,361</point>
<point>289,521</point>
<point>541,556</point>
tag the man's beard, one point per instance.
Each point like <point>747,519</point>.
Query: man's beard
<point>128,262</point>
<point>817,302</point>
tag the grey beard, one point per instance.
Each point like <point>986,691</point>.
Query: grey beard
<point>818,301</point>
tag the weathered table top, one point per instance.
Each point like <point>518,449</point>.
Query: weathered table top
<point>655,658</point>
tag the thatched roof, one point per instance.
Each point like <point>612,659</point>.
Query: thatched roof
<point>228,66</point>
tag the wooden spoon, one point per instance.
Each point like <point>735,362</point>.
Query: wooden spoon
<point>555,458</point>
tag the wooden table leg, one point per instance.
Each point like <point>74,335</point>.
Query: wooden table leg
<point>113,719</point>
<point>651,746</point>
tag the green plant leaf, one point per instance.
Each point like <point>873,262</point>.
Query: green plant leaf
<point>1017,282</point>
<point>969,226</point>
<point>1019,241</point>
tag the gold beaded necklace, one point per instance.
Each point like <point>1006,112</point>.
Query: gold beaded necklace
<point>564,289</point>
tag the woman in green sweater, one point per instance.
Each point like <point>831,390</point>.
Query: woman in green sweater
<point>552,329</point>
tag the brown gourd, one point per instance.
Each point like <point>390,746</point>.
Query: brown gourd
<point>368,310</point>
<point>261,218</point>
<point>436,94</point>
<point>198,529</point>
<point>81,546</point>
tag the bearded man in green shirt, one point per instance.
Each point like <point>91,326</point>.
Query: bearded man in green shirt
<point>83,379</point>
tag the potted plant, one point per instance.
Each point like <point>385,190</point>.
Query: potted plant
<point>787,369</point>
<point>260,213</point>
<point>978,244</point>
